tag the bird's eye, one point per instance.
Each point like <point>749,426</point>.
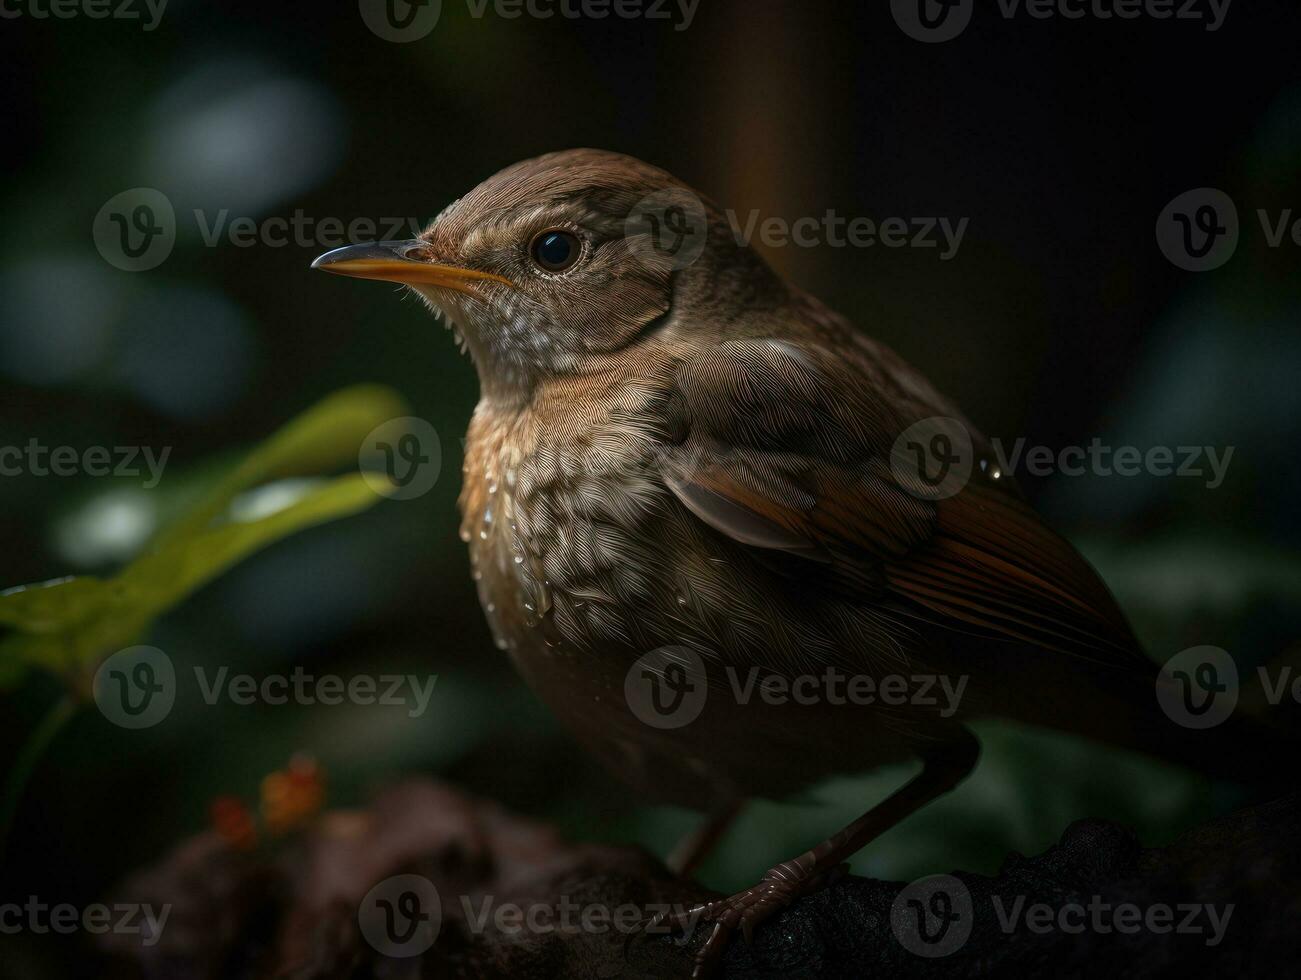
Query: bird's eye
<point>555,250</point>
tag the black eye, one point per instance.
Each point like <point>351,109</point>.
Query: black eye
<point>556,250</point>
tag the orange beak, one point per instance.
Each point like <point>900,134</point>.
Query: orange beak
<point>402,262</point>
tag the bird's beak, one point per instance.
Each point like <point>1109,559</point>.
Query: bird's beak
<point>404,262</point>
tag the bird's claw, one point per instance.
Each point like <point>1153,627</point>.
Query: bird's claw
<point>744,911</point>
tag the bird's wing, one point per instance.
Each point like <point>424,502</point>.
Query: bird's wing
<point>791,450</point>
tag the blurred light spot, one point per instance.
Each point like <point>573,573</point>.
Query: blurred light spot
<point>188,352</point>
<point>55,318</point>
<point>235,134</point>
<point>110,529</point>
<point>270,499</point>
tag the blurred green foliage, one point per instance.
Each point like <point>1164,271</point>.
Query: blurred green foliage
<point>68,625</point>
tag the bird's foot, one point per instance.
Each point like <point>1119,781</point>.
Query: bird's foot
<point>746,911</point>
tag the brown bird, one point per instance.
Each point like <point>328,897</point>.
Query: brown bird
<point>686,474</point>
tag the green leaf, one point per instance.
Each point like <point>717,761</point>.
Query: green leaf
<point>50,606</point>
<point>325,437</point>
<point>166,576</point>
<point>69,625</point>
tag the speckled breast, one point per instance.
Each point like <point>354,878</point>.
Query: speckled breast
<point>584,562</point>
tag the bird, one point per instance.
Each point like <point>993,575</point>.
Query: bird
<point>686,471</point>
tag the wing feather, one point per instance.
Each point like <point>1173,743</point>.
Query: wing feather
<point>786,449</point>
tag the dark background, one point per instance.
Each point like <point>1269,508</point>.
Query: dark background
<point>1059,320</point>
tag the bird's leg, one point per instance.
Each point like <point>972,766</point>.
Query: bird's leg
<point>944,766</point>
<point>690,852</point>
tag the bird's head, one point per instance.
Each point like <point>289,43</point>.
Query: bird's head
<point>556,265</point>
